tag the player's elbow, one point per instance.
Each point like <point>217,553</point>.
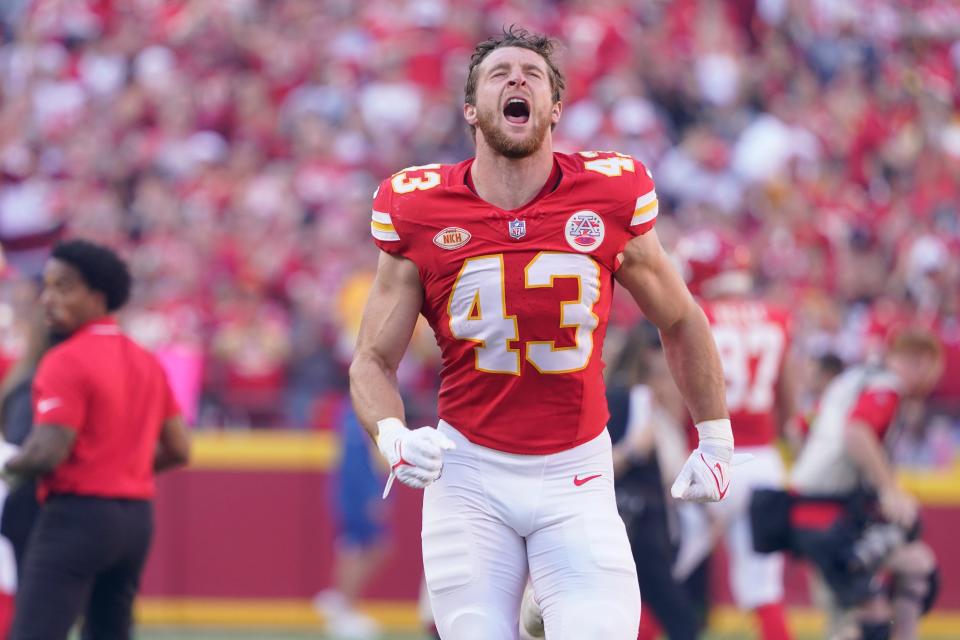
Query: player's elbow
<point>687,319</point>
<point>366,363</point>
<point>360,363</point>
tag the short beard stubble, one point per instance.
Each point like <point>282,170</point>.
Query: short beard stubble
<point>504,144</point>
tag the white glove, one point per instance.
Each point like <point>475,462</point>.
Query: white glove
<point>415,456</point>
<point>705,476</point>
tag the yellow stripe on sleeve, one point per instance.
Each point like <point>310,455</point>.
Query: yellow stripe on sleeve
<point>381,226</point>
<point>645,214</point>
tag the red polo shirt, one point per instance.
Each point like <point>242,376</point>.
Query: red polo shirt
<point>115,395</point>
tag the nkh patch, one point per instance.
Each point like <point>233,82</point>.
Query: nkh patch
<point>518,228</point>
<point>584,231</point>
<point>452,238</point>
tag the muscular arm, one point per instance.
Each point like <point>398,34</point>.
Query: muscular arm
<point>46,447</point>
<point>385,331</point>
<point>654,283</point>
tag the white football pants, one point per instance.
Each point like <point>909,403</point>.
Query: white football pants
<point>494,516</point>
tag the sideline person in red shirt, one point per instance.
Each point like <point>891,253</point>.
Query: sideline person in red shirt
<point>105,423</point>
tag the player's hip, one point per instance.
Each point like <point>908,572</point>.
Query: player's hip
<point>596,445</point>
<point>522,490</point>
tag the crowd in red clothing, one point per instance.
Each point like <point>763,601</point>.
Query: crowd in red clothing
<point>230,149</point>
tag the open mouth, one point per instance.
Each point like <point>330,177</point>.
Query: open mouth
<point>516,111</point>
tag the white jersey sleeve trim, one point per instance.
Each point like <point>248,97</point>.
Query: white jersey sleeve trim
<point>646,208</point>
<point>385,236</point>
<point>381,226</point>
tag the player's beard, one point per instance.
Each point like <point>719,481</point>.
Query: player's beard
<point>506,146</point>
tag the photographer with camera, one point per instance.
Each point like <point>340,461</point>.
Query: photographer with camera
<point>848,515</point>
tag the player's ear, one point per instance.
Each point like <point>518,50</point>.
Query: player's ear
<point>470,113</point>
<point>555,111</point>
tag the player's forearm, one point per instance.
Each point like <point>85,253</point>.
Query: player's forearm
<point>868,454</point>
<point>692,356</point>
<point>33,461</point>
<point>45,448</point>
<point>374,391</point>
<point>29,465</point>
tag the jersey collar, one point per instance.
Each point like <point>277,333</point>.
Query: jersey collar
<point>554,183</point>
<point>105,326</point>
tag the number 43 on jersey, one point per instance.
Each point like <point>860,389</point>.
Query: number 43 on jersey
<point>478,312</point>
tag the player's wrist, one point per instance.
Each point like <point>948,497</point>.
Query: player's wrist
<point>389,430</point>
<point>716,436</point>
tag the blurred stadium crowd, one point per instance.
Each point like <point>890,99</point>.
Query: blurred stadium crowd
<point>230,150</point>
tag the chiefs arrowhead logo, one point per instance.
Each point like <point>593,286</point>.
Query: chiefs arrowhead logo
<point>452,238</point>
<point>584,231</point>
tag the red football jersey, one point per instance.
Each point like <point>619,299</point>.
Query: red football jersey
<point>752,338</point>
<point>519,299</point>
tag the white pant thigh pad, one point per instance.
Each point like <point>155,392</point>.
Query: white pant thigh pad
<point>474,563</point>
<point>581,564</point>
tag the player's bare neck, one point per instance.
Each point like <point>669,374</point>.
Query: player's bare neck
<point>510,183</point>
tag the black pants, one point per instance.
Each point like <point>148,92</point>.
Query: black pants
<point>20,511</point>
<point>653,554</point>
<point>85,557</point>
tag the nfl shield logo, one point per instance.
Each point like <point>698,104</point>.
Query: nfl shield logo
<point>518,228</point>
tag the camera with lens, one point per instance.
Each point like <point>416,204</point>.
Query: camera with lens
<point>876,544</point>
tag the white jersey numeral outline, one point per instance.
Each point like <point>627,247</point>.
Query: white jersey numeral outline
<point>477,309</point>
<point>763,341</point>
<point>611,167</point>
<point>402,183</point>
<point>477,312</point>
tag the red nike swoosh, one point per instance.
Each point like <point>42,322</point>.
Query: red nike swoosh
<point>582,481</point>
<point>723,491</point>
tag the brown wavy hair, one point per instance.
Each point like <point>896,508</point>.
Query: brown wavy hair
<point>514,36</point>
